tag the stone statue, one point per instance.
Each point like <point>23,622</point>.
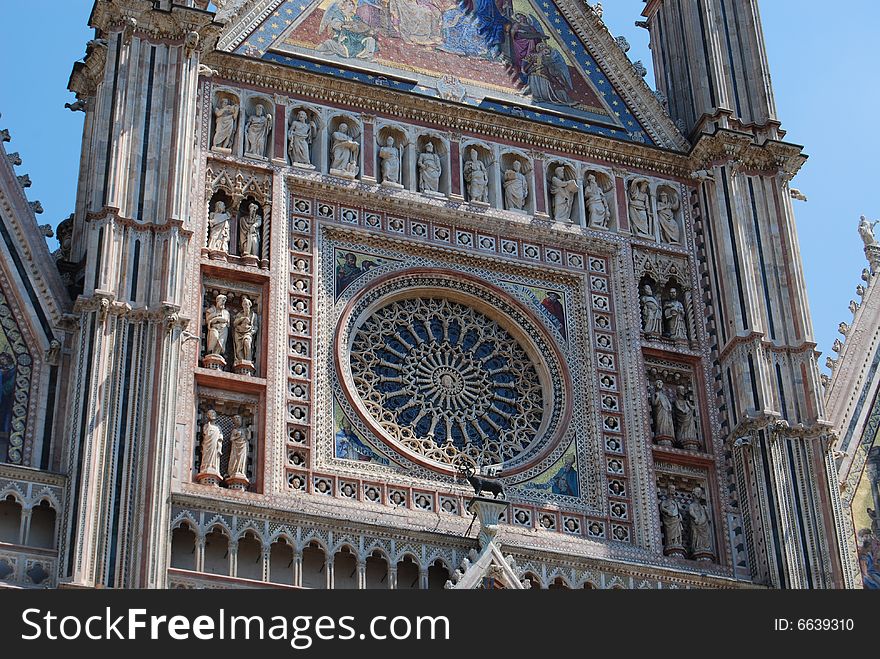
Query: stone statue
<point>430,170</point>
<point>664,428</point>
<point>257,131</point>
<point>300,137</point>
<point>516,188</point>
<point>598,212</point>
<point>212,446</point>
<point>239,439</point>
<point>225,118</point>
<point>685,420</point>
<point>244,328</point>
<point>701,537</point>
<point>652,314</point>
<point>217,325</point>
<point>670,515</point>
<point>249,231</point>
<point>562,191</point>
<point>639,211</point>
<point>866,231</point>
<point>345,152</point>
<point>673,311</point>
<point>218,229</point>
<point>476,178</point>
<point>389,158</point>
<point>667,207</point>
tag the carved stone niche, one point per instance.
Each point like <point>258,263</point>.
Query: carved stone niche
<point>226,122</point>
<point>306,133</point>
<point>394,157</point>
<point>227,448</point>
<point>669,215</point>
<point>257,126</point>
<point>344,146</point>
<point>517,183</point>
<point>479,176</point>
<point>427,181</point>
<point>666,299</point>
<point>564,195</point>
<point>237,188</point>
<point>232,322</point>
<point>600,200</point>
<point>676,419</point>
<point>640,209</point>
<point>687,516</point>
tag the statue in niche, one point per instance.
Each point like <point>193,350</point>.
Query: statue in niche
<point>249,231</point>
<point>217,325</point>
<point>664,427</point>
<point>639,211</point>
<point>701,535</point>
<point>866,231</point>
<point>212,445</point>
<point>685,420</point>
<point>345,152</point>
<point>673,311</point>
<point>670,515</point>
<point>667,207</point>
<point>389,158</point>
<point>598,212</point>
<point>225,118</point>
<point>563,192</point>
<point>239,439</point>
<point>652,313</point>
<point>300,137</point>
<point>244,328</point>
<point>257,132</point>
<point>218,229</point>
<point>430,170</point>
<point>476,178</point>
<point>516,188</point>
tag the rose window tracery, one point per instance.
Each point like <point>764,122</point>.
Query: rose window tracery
<point>447,381</point>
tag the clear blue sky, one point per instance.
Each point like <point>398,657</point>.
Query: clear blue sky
<point>823,62</point>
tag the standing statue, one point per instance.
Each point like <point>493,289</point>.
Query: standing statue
<point>345,152</point>
<point>389,157</point>
<point>667,207</point>
<point>249,231</point>
<point>866,231</point>
<point>212,448</point>
<point>598,212</point>
<point>701,535</point>
<point>639,211</point>
<point>476,178</point>
<point>516,188</point>
<point>670,515</point>
<point>652,313</point>
<point>217,325</point>
<point>257,132</point>
<point>300,137</point>
<point>239,439</point>
<point>218,229</point>
<point>563,192</point>
<point>676,324</point>
<point>685,420</point>
<point>664,428</point>
<point>244,328</point>
<point>225,117</point>
<point>430,170</point>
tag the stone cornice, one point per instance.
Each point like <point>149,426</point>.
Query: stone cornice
<point>111,214</point>
<point>29,475</point>
<point>770,157</point>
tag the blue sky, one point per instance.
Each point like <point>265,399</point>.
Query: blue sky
<point>824,70</point>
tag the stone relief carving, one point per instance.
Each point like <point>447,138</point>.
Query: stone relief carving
<point>430,170</point>
<point>676,322</point>
<point>244,328</point>
<point>225,120</point>
<point>652,313</point>
<point>217,327</point>
<point>239,440</point>
<point>563,191</point>
<point>670,515</point>
<point>664,426</point>
<point>249,225</point>
<point>598,209</point>
<point>668,206</point>
<point>218,229</point>
<point>390,159</point>
<point>344,151</point>
<point>257,130</point>
<point>674,410</point>
<point>640,217</point>
<point>211,449</point>
<point>301,135</point>
<point>701,531</point>
<point>516,188</point>
<point>476,178</point>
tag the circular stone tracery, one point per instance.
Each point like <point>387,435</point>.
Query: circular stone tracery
<point>447,381</point>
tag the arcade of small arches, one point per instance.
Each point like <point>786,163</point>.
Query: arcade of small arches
<point>27,524</point>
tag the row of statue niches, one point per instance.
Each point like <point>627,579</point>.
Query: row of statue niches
<point>247,225</point>
<point>687,525</point>
<point>674,415</point>
<point>243,323</point>
<point>223,456</point>
<point>663,313</point>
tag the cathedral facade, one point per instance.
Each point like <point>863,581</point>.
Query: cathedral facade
<point>333,261</point>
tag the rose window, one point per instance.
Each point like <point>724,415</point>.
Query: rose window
<point>447,382</point>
